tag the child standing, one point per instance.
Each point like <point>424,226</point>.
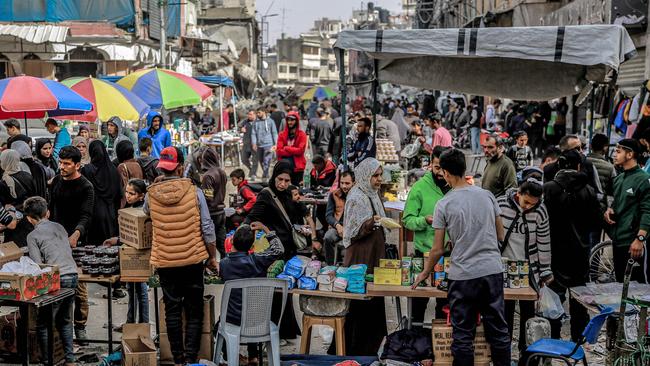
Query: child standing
<point>48,244</point>
<point>521,154</point>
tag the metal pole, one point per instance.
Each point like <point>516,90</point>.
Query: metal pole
<point>223,139</point>
<point>344,115</point>
<point>163,35</point>
<point>375,86</point>
<point>592,107</point>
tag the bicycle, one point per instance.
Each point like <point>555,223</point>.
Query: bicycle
<point>601,263</point>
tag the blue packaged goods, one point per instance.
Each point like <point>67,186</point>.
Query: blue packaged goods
<point>342,272</point>
<point>296,266</point>
<point>307,283</point>
<point>357,270</point>
<point>291,280</point>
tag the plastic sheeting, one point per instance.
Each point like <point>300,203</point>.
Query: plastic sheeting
<point>533,63</point>
<point>120,12</point>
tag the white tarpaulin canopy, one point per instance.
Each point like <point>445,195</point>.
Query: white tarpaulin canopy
<point>533,63</point>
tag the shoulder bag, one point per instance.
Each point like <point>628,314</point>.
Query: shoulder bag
<point>298,239</point>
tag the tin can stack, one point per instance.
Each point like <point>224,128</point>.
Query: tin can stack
<point>515,273</point>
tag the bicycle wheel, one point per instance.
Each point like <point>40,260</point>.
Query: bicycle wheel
<point>601,263</point>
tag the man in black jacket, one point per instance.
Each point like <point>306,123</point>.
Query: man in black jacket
<point>572,142</point>
<point>573,211</point>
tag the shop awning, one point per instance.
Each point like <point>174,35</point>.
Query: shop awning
<point>533,63</point>
<point>36,33</point>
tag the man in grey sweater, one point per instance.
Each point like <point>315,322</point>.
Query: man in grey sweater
<point>48,244</point>
<point>264,136</point>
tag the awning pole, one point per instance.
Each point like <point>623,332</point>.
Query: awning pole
<point>223,137</point>
<point>375,86</point>
<point>592,107</point>
<point>344,115</point>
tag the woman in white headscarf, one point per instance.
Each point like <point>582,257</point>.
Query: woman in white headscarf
<point>15,187</point>
<point>364,240</point>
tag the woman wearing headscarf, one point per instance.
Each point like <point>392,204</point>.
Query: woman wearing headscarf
<point>37,171</point>
<point>106,182</point>
<point>44,155</point>
<point>81,143</point>
<point>128,167</point>
<point>16,186</point>
<point>364,240</point>
<point>84,131</point>
<point>266,211</point>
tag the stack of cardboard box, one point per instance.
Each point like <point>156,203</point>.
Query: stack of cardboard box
<point>135,235</point>
<point>207,343</point>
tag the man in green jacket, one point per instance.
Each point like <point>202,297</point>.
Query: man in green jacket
<point>629,215</point>
<point>418,217</point>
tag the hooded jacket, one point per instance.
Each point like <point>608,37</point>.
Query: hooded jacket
<point>128,167</point>
<point>112,141</point>
<point>293,148</point>
<point>149,166</point>
<point>213,182</point>
<point>421,202</point>
<point>530,234</point>
<point>160,139</point>
<point>573,212</point>
<point>324,178</point>
<point>264,134</point>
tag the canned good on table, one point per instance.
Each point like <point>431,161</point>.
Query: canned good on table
<point>513,268</point>
<point>523,267</point>
<point>504,261</point>
<point>524,281</point>
<point>514,281</point>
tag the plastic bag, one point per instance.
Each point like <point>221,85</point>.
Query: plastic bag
<point>549,304</point>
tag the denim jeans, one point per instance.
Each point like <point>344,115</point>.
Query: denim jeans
<point>62,315</point>
<point>264,156</point>
<point>138,299</point>
<point>183,291</point>
<point>475,140</point>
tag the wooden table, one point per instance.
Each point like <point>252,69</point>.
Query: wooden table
<point>42,301</point>
<point>107,281</point>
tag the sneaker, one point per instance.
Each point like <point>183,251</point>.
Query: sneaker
<point>119,293</point>
<point>81,336</point>
<point>118,328</point>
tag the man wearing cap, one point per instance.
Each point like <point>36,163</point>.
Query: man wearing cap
<point>184,241</point>
<point>629,215</point>
<point>61,136</point>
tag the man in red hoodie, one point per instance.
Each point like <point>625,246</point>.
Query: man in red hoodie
<point>292,142</point>
<point>246,198</point>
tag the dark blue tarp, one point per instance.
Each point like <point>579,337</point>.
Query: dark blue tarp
<point>173,20</point>
<point>323,360</point>
<point>208,80</point>
<point>120,12</point>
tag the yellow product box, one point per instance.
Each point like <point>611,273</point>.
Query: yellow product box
<point>390,263</point>
<point>388,276</point>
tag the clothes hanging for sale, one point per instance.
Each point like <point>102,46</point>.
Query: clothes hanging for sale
<point>619,121</point>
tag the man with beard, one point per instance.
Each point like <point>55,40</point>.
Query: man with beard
<point>334,216</point>
<point>499,174</point>
<point>365,146</point>
<point>72,202</point>
<point>159,136</point>
<point>418,216</point>
<point>629,215</point>
<point>292,142</point>
<point>573,212</point>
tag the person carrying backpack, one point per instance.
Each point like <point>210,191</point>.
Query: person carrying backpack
<point>147,162</point>
<point>573,211</point>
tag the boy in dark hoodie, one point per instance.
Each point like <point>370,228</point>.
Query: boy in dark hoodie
<point>147,162</point>
<point>155,130</point>
<point>213,183</point>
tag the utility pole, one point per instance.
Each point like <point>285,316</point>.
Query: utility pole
<point>163,35</point>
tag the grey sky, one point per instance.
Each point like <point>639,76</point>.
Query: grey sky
<point>299,15</point>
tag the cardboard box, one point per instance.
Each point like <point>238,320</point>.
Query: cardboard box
<point>135,228</point>
<point>442,338</point>
<point>134,263</point>
<point>137,346</point>
<point>388,276</point>
<point>205,350</point>
<point>20,286</point>
<point>208,315</point>
<point>390,263</point>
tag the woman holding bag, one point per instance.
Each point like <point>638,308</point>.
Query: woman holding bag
<point>292,142</point>
<point>273,208</point>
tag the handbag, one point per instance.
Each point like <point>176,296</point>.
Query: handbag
<point>298,239</point>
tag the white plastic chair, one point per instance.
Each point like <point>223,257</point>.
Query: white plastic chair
<point>256,324</point>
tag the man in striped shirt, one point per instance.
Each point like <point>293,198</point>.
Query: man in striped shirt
<point>7,218</point>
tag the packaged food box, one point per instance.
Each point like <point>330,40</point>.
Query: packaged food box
<point>134,263</point>
<point>388,276</point>
<point>442,338</point>
<point>389,263</point>
<point>135,228</point>
<point>21,286</point>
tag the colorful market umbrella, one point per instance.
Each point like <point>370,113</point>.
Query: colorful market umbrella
<point>108,98</point>
<point>165,88</point>
<point>32,97</point>
<point>320,92</point>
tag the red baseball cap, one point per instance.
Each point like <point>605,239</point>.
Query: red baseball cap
<point>168,159</point>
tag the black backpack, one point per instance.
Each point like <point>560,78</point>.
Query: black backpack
<point>408,345</point>
<point>149,171</point>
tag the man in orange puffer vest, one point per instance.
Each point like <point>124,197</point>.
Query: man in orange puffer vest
<point>183,238</point>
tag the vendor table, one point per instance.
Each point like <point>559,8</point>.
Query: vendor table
<point>42,301</point>
<point>373,290</point>
<point>232,145</point>
<point>106,281</point>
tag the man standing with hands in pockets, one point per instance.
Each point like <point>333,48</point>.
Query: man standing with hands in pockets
<point>470,216</point>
